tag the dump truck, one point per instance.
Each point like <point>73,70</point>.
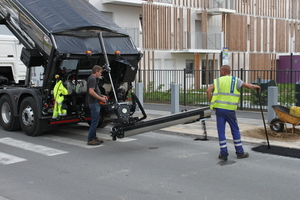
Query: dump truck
<point>67,38</point>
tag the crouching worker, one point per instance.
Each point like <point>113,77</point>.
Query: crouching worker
<point>94,97</point>
<point>58,92</point>
<point>224,97</point>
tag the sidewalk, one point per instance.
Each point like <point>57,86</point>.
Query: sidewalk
<point>248,121</point>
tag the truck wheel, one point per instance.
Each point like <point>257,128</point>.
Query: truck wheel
<point>7,119</point>
<point>28,117</point>
<point>276,125</point>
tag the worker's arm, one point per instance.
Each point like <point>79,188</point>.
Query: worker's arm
<point>251,86</point>
<point>209,91</point>
<point>95,95</point>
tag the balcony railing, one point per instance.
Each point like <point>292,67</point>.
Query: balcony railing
<point>222,4</point>
<point>164,1</point>
<point>201,40</point>
<point>191,39</point>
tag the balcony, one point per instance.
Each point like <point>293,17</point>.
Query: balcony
<point>217,7</point>
<point>137,3</point>
<point>164,1</point>
<point>200,42</point>
<point>193,42</point>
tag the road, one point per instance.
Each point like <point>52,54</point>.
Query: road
<point>149,166</point>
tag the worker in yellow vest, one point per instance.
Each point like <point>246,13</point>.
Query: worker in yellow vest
<point>224,97</point>
<point>58,92</point>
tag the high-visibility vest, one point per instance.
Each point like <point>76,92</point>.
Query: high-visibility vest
<point>59,91</point>
<point>225,94</point>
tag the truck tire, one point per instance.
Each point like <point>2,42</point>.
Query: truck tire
<point>28,117</point>
<point>7,119</point>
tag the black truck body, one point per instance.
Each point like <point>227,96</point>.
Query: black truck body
<point>67,38</point>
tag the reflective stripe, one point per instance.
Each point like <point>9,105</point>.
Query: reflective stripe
<point>227,94</point>
<point>222,141</point>
<point>225,102</point>
<point>223,146</point>
<point>240,144</point>
<point>237,140</point>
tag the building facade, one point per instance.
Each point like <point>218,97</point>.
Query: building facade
<point>204,34</point>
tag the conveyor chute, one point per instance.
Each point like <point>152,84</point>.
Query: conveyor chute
<point>161,122</point>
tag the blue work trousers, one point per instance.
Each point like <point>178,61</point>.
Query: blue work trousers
<point>95,114</point>
<point>229,116</point>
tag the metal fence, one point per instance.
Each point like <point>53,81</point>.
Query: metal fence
<point>193,85</point>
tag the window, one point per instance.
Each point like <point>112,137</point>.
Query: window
<point>189,66</point>
<point>207,72</point>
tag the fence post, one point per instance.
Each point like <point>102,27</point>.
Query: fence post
<point>272,100</point>
<point>174,98</point>
<point>241,90</point>
<point>184,86</point>
<point>139,93</point>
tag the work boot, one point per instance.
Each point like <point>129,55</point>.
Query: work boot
<point>97,139</point>
<point>244,155</point>
<point>224,158</point>
<point>93,142</point>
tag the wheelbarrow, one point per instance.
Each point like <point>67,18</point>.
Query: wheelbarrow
<point>284,116</point>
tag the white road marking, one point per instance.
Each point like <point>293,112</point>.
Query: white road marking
<point>69,141</point>
<point>6,159</point>
<point>100,135</point>
<point>125,139</point>
<point>31,147</point>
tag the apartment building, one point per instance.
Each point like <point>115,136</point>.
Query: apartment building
<point>203,34</point>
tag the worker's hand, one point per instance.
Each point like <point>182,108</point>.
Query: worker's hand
<point>103,98</point>
<point>256,87</point>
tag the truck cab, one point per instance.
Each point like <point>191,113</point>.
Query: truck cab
<point>12,69</point>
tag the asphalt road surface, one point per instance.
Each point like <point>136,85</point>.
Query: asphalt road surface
<point>149,166</point>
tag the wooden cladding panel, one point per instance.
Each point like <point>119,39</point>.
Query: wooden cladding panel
<point>271,40</point>
<point>197,62</point>
<point>252,24</point>
<point>180,29</point>
<point>287,37</point>
<point>258,61</point>
<point>169,28</point>
<point>258,34</point>
<point>236,32</point>
<point>265,35</point>
<point>175,32</point>
<point>297,38</point>
<point>280,35</point>
<point>189,29</point>
<point>164,26</point>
